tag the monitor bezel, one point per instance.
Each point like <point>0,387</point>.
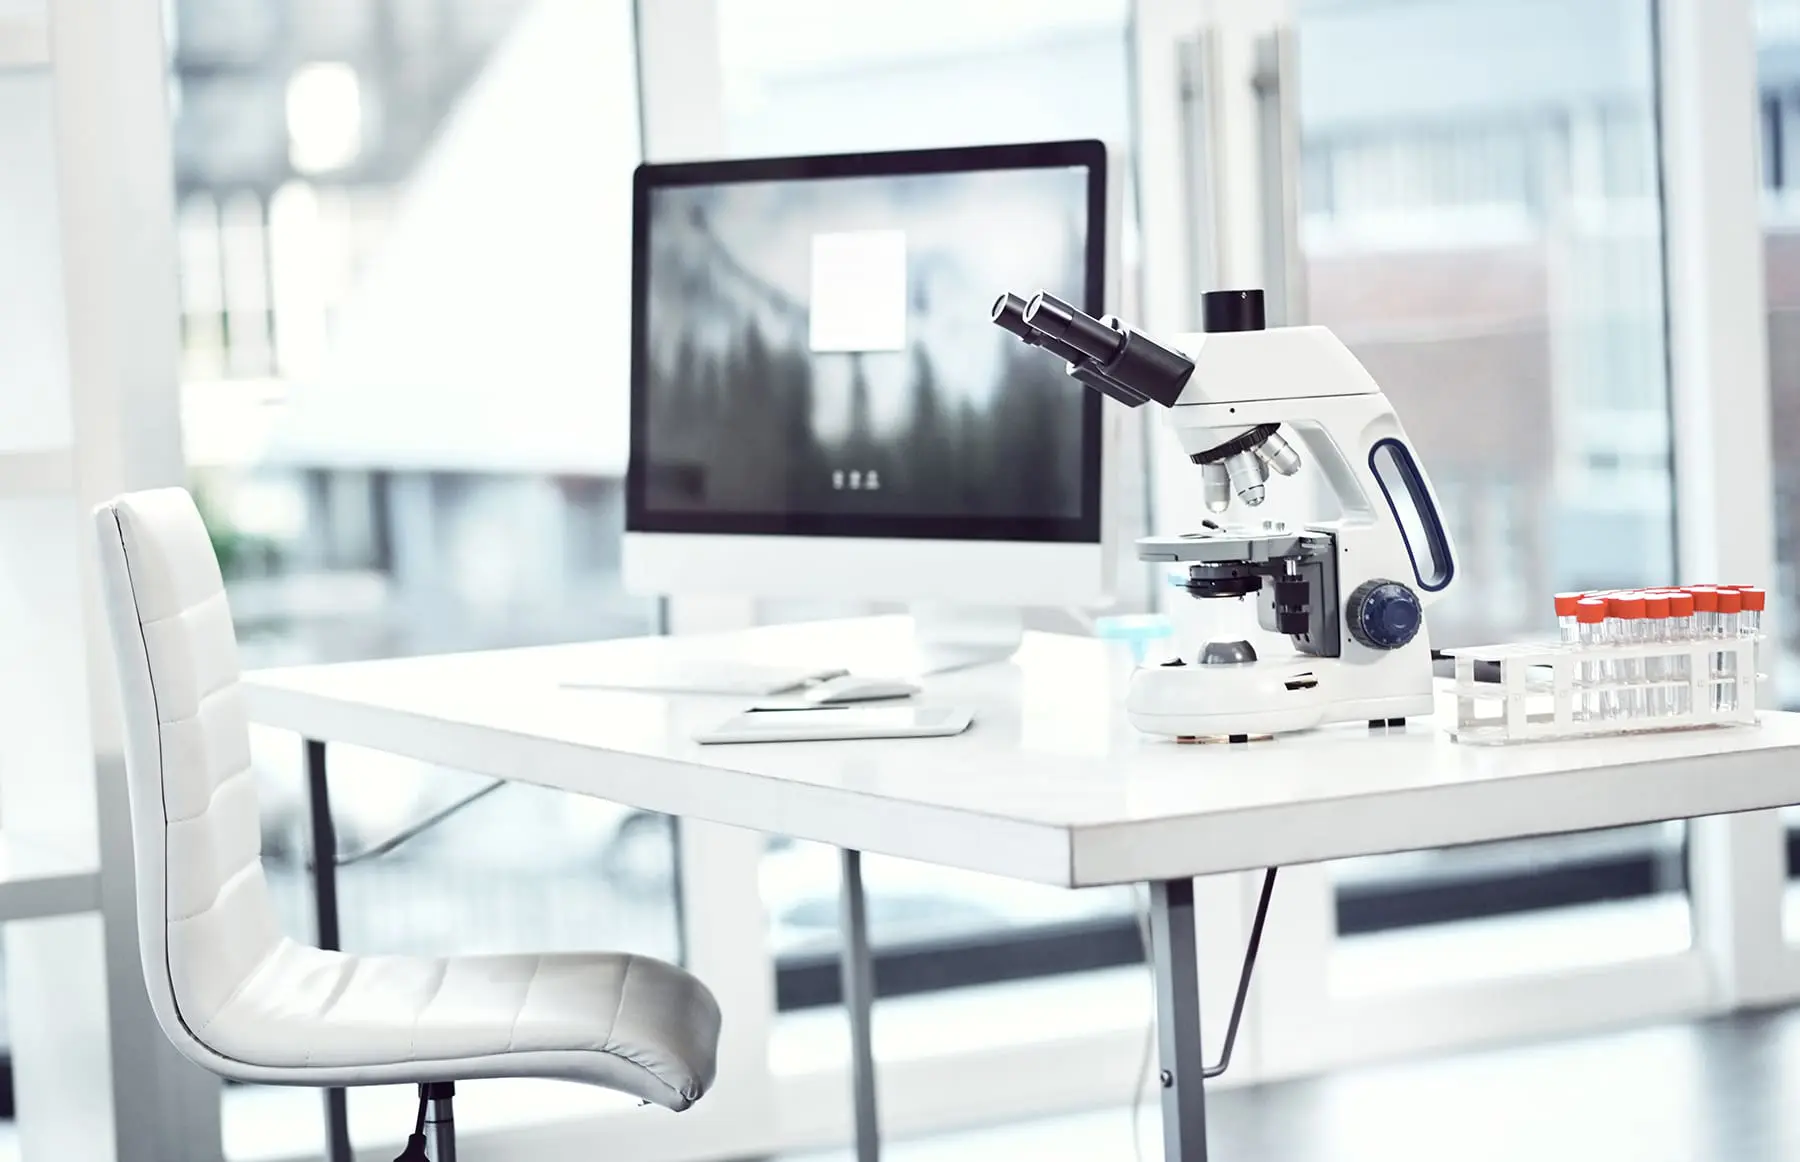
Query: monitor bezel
<point>1082,528</point>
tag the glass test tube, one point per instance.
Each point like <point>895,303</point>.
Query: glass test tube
<point>1706,628</point>
<point>1566,625</point>
<point>1750,622</point>
<point>1625,615</point>
<point>1681,631</point>
<point>1611,703</point>
<point>1656,666</point>
<point>1731,607</point>
<point>1590,619</point>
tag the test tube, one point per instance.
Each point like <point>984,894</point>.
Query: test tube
<point>1706,627</point>
<point>1625,614</point>
<point>1611,701</point>
<point>1681,630</point>
<point>1656,666</point>
<point>1731,607</point>
<point>1750,622</point>
<point>1565,617</point>
<point>1590,618</point>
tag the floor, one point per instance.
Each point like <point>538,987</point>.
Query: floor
<point>1712,1091</point>
<point>1721,1090</point>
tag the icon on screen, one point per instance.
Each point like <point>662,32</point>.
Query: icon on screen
<point>855,482</point>
<point>872,481</point>
<point>837,479</point>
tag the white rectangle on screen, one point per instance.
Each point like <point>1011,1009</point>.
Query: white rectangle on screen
<point>858,300</point>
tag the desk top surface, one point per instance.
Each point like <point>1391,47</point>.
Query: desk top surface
<point>1049,784</point>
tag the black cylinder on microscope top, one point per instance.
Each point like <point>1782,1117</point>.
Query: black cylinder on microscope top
<point>1232,310</point>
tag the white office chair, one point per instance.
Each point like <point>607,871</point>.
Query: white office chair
<point>241,999</point>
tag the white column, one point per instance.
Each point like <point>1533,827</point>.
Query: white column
<point>133,1098</point>
<point>1718,326</point>
<point>681,89</point>
<point>725,936</point>
<point>681,103</point>
<point>1201,204</point>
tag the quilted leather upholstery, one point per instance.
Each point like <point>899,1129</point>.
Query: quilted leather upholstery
<point>235,994</point>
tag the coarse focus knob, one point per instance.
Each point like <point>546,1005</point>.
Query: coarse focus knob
<point>1384,615</point>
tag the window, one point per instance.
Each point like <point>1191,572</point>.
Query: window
<point>813,76</point>
<point>404,229</point>
<point>1487,239</point>
<point>1778,86</point>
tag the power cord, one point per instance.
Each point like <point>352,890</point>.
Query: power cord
<point>1238,1001</point>
<point>414,830</point>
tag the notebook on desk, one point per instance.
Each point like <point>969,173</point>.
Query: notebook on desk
<point>699,676</point>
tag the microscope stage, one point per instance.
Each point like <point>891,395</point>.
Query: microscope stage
<point>1270,542</point>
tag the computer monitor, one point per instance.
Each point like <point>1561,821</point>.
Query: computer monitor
<point>820,403</point>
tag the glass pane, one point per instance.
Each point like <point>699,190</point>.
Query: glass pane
<point>817,76</point>
<point>1778,90</point>
<point>1480,222</point>
<point>404,237</point>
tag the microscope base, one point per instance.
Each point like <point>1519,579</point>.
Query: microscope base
<point>1265,698</point>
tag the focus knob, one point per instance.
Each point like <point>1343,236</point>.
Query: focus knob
<point>1384,615</point>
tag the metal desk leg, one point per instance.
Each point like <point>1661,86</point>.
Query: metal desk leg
<point>858,977</point>
<point>325,903</point>
<point>1178,1020</point>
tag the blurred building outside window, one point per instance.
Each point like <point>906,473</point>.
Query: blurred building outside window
<point>1778,91</point>
<point>1483,228</point>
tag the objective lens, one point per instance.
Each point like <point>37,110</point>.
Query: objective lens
<point>1217,486</point>
<point>1278,454</point>
<point>1246,474</point>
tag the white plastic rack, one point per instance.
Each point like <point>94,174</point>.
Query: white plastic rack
<point>1528,691</point>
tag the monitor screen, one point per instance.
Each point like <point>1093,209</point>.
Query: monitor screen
<point>813,352</point>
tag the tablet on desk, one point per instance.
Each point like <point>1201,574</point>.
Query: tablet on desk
<point>825,724</point>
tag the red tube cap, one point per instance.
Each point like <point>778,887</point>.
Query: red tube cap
<point>1629,607</point>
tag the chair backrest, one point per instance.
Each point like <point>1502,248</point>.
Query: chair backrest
<point>205,921</point>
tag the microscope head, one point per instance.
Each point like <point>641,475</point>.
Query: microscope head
<point>1127,366</point>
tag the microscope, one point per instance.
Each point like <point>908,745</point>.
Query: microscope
<point>1349,592</point>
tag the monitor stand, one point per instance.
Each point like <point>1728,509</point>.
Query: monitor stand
<point>957,637</point>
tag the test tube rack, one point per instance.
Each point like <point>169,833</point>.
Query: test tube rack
<point>1552,690</point>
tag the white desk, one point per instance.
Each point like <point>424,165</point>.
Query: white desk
<point>1050,784</point>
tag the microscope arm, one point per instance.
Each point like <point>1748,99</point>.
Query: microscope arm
<point>1368,462</point>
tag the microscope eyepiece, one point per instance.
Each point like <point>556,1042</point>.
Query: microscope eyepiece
<point>1094,339</point>
<point>1107,357</point>
<point>1009,313</point>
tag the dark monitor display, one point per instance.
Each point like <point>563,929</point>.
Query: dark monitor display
<point>812,350</point>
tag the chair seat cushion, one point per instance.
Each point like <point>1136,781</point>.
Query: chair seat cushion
<point>627,1022</point>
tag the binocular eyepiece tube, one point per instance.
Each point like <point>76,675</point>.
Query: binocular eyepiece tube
<point>1105,356</point>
